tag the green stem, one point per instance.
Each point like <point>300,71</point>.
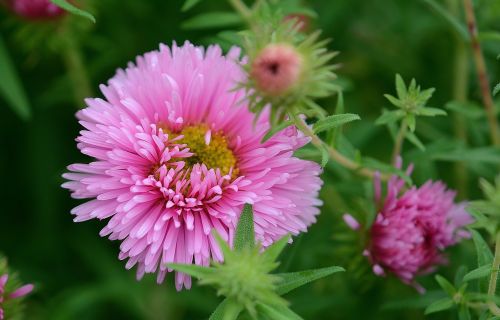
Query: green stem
<point>400,138</point>
<point>481,72</point>
<point>76,70</point>
<point>492,287</point>
<point>332,152</point>
<point>241,8</point>
<point>460,86</point>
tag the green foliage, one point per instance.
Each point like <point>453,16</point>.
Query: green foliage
<point>334,121</point>
<point>212,20</point>
<point>11,87</point>
<point>245,280</point>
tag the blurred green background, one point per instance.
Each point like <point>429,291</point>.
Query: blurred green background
<point>77,273</point>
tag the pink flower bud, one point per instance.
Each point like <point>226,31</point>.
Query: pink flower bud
<point>276,69</point>
<point>35,9</point>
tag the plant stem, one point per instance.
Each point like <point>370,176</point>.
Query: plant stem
<point>76,70</point>
<point>333,153</point>
<point>400,138</point>
<point>481,72</point>
<point>241,8</point>
<point>492,287</point>
<point>460,88</point>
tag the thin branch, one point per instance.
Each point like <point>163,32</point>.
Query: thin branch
<point>481,72</point>
<point>400,138</point>
<point>333,153</point>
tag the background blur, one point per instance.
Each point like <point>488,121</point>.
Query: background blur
<point>77,273</point>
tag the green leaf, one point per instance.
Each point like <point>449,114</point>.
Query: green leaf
<point>245,234</point>
<point>325,156</point>
<point>484,255</point>
<point>411,121</point>
<point>477,273</point>
<point>334,121</point>
<point>415,140</point>
<point>400,87</point>
<point>191,269</point>
<point>276,129</point>
<point>212,20</point>
<point>440,305</point>
<point>273,251</point>
<point>468,109</point>
<point>10,85</point>
<point>277,312</point>
<point>226,310</point>
<point>293,280</point>
<point>389,117</point>
<point>72,9</point>
<point>483,251</point>
<point>496,89</point>
<point>431,112</point>
<point>189,4</point>
<point>396,102</point>
<point>446,285</point>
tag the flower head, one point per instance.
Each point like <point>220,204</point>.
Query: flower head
<point>35,9</point>
<point>176,154</point>
<point>10,292</point>
<point>413,227</point>
<point>287,69</point>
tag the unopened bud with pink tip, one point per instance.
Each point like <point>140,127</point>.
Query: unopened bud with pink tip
<point>277,69</point>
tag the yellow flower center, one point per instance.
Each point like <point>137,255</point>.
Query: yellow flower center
<point>215,154</point>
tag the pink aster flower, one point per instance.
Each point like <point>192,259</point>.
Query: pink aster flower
<point>177,154</point>
<point>413,227</point>
<point>35,9</point>
<point>5,296</point>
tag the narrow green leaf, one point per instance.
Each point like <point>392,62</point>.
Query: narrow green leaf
<point>484,255</point>
<point>72,9</point>
<point>277,312</point>
<point>10,85</point>
<point>276,129</point>
<point>226,310</point>
<point>400,87</point>
<point>293,280</point>
<point>396,102</point>
<point>191,269</point>
<point>483,251</point>
<point>415,140</point>
<point>440,305</point>
<point>189,4</point>
<point>478,273</point>
<point>212,20</point>
<point>411,121</point>
<point>325,156</point>
<point>273,251</point>
<point>496,89</point>
<point>384,167</point>
<point>334,121</point>
<point>389,117</point>
<point>431,112</point>
<point>446,285</point>
<point>452,21</point>
<point>245,234</point>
